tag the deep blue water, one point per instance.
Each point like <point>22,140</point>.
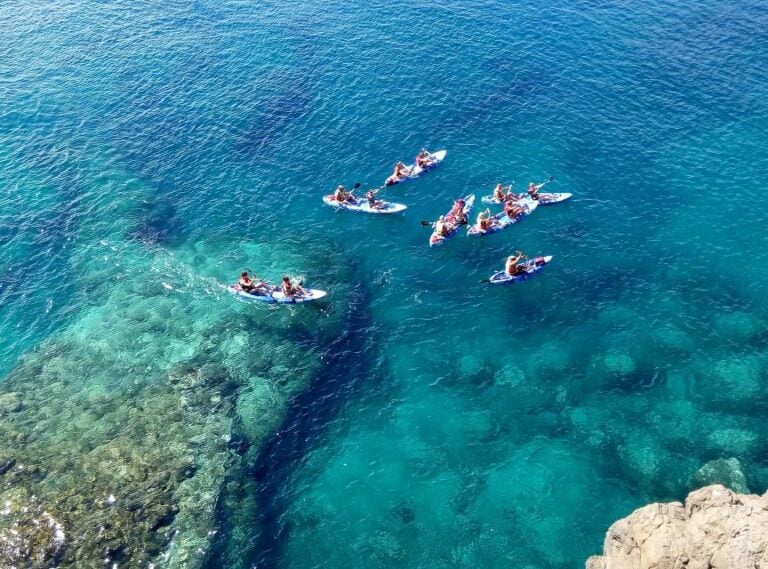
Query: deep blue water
<point>469,426</point>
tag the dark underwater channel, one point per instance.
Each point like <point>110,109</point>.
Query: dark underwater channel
<point>351,364</point>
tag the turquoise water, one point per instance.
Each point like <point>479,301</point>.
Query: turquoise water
<point>157,150</point>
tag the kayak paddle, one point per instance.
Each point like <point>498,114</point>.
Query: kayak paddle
<point>426,223</point>
<point>545,182</point>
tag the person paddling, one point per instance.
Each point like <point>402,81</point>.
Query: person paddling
<point>512,209</point>
<point>401,170</point>
<point>342,196</point>
<point>252,285</point>
<point>291,290</point>
<point>457,213</point>
<point>442,226</point>
<point>498,192</point>
<point>370,196</point>
<point>533,190</point>
<point>513,266</point>
<point>423,158</point>
<point>483,222</point>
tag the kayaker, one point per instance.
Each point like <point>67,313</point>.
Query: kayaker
<point>457,213</point>
<point>442,226</point>
<point>423,158</point>
<point>370,196</point>
<point>341,195</point>
<point>498,192</point>
<point>512,209</point>
<point>512,267</point>
<point>533,190</point>
<point>484,220</point>
<point>401,170</point>
<point>252,286</point>
<point>289,289</point>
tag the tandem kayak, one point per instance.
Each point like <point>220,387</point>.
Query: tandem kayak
<point>531,268</point>
<point>416,171</point>
<point>361,204</point>
<point>501,221</point>
<point>277,296</point>
<point>543,198</point>
<point>435,239</point>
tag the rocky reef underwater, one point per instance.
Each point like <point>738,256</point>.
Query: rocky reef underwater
<point>118,432</point>
<point>526,461</point>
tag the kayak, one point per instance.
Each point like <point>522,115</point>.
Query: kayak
<point>277,296</point>
<point>550,198</point>
<point>435,239</point>
<point>531,268</point>
<point>544,198</point>
<point>417,171</point>
<point>501,221</point>
<point>362,205</point>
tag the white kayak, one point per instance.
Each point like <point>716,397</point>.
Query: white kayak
<point>362,205</point>
<point>501,221</point>
<point>415,171</point>
<point>543,198</point>
<point>530,268</point>
<point>276,296</point>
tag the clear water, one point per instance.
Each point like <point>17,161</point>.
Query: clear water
<point>456,425</point>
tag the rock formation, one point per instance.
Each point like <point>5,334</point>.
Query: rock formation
<point>715,529</point>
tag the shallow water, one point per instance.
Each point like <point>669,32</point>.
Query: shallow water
<point>454,424</point>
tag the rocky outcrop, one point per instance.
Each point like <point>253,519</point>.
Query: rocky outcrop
<point>715,529</point>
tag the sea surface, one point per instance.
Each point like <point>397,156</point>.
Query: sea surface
<point>458,424</point>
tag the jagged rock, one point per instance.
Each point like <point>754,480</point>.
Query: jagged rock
<point>715,529</point>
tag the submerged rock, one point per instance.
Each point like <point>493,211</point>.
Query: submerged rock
<point>619,363</point>
<point>725,471</point>
<point>715,528</point>
<point>509,376</point>
<point>733,383</point>
<point>6,463</point>
<point>29,535</point>
<point>738,441</point>
<point>10,403</point>
<point>738,326</point>
<point>671,338</point>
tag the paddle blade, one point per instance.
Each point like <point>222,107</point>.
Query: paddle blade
<point>426,223</point>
